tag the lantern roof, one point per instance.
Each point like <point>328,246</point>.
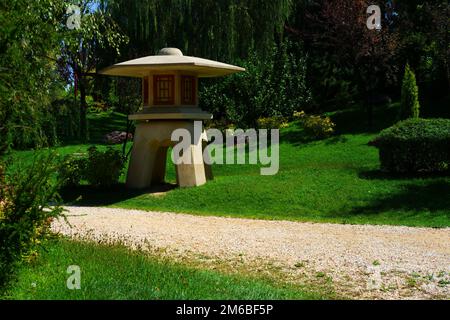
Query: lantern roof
<point>171,59</point>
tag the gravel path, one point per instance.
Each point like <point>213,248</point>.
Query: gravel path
<point>363,261</point>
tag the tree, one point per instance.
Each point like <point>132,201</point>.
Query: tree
<point>232,31</point>
<point>425,43</point>
<point>81,47</point>
<point>271,87</point>
<point>336,30</point>
<point>221,30</point>
<point>29,44</point>
<point>28,48</point>
<point>410,106</point>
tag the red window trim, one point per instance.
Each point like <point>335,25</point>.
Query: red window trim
<point>193,100</point>
<point>171,100</point>
<point>145,91</point>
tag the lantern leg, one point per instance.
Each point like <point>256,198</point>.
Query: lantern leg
<point>191,173</point>
<point>159,167</point>
<point>142,165</point>
<point>208,167</point>
<point>145,158</point>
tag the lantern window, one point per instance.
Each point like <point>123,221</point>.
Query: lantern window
<point>164,90</point>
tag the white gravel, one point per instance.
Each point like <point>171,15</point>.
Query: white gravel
<point>386,262</point>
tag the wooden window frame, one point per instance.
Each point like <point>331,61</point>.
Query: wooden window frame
<point>156,79</point>
<point>146,96</point>
<point>193,100</point>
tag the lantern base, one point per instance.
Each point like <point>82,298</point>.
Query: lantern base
<point>171,113</point>
<point>152,139</point>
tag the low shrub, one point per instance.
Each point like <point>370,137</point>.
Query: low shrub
<point>103,168</point>
<point>220,124</point>
<point>28,202</point>
<point>71,170</point>
<point>316,127</point>
<point>98,168</point>
<point>272,123</point>
<point>97,106</point>
<point>415,145</point>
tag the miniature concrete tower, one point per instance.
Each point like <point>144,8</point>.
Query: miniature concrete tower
<point>170,98</point>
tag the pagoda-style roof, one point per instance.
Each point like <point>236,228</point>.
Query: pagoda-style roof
<point>171,59</point>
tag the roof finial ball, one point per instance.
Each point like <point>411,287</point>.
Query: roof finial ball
<point>170,52</point>
<point>170,98</point>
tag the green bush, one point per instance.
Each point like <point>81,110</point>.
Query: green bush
<point>28,202</point>
<point>315,127</point>
<point>410,106</point>
<point>98,168</point>
<point>103,168</point>
<point>272,123</point>
<point>415,145</point>
<point>71,170</point>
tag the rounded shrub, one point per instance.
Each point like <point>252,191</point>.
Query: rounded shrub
<point>415,145</point>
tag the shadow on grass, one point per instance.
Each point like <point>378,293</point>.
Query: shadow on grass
<point>296,136</point>
<point>355,121</point>
<point>381,175</point>
<point>92,196</point>
<point>431,197</point>
<point>348,121</point>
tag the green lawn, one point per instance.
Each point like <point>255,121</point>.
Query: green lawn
<point>109,272</point>
<point>335,180</point>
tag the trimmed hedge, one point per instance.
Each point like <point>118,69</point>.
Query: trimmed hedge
<point>415,145</point>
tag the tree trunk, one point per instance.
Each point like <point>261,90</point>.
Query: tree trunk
<point>83,106</point>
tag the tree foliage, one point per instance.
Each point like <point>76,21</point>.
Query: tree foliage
<point>222,30</point>
<point>28,77</point>
<point>98,35</point>
<point>275,86</point>
<point>342,48</point>
<point>409,106</point>
<point>425,42</point>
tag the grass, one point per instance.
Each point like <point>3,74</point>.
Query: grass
<point>322,182</point>
<point>114,272</point>
<point>334,180</point>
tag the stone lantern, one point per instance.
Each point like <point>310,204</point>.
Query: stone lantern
<point>170,98</point>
